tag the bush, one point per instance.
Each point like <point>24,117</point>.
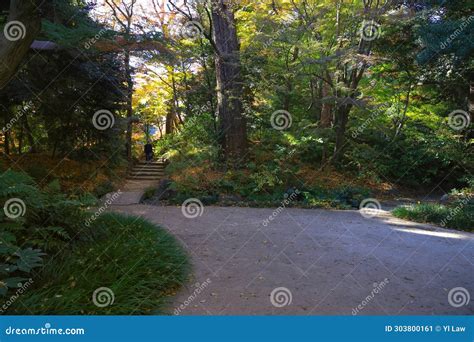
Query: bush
<point>38,172</point>
<point>457,215</point>
<point>46,245</point>
<point>34,224</point>
<point>104,188</point>
<point>141,264</point>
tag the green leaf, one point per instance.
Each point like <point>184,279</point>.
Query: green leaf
<point>29,258</point>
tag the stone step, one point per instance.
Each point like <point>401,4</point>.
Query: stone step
<point>147,168</point>
<point>151,174</point>
<point>151,164</point>
<point>146,178</point>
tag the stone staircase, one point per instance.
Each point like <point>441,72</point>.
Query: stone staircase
<point>147,171</point>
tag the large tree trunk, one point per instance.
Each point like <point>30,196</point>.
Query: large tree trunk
<point>232,130</point>
<point>24,25</point>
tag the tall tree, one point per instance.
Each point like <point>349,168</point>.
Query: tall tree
<point>123,13</point>
<point>233,133</point>
<point>23,25</point>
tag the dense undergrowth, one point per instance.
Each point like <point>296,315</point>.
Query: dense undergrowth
<point>56,259</point>
<point>75,176</point>
<point>279,162</point>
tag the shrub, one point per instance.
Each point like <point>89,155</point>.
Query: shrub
<point>456,215</point>
<point>141,264</point>
<point>34,224</point>
<point>38,172</point>
<point>104,188</point>
<point>48,242</point>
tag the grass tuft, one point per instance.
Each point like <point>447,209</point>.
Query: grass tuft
<point>454,216</point>
<point>142,264</point>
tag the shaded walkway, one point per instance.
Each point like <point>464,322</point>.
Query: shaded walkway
<point>141,177</point>
<point>330,262</point>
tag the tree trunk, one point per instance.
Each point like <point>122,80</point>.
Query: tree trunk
<point>471,98</point>
<point>342,117</point>
<point>287,97</point>
<point>161,130</point>
<point>29,134</point>
<point>128,75</point>
<point>11,140</point>
<point>20,140</point>
<point>176,108</point>
<point>232,126</point>
<point>326,111</point>
<point>6,142</point>
<point>22,34</point>
<point>170,119</point>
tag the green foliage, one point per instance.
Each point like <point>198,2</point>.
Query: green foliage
<point>149,193</point>
<point>457,212</point>
<point>351,196</point>
<point>457,215</point>
<point>37,172</point>
<point>50,242</point>
<point>104,188</point>
<point>38,224</point>
<point>141,264</point>
<point>196,141</point>
<point>69,91</point>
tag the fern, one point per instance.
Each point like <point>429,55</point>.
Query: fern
<point>50,220</point>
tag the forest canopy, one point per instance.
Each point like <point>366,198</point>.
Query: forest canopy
<point>378,89</point>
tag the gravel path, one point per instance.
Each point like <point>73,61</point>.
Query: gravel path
<point>317,262</point>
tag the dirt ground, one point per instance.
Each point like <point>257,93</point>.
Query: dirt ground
<point>317,262</point>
